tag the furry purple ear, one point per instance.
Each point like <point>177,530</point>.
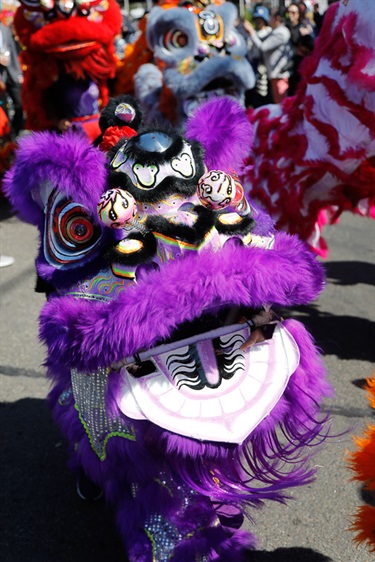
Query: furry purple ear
<point>222,127</point>
<point>69,162</point>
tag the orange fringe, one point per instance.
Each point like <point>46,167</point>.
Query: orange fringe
<point>136,54</point>
<point>364,526</point>
<point>362,463</point>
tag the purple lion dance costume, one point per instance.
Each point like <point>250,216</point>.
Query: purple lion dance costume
<point>181,392</point>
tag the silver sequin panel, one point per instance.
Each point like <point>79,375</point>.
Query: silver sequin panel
<point>89,390</point>
<point>163,535</point>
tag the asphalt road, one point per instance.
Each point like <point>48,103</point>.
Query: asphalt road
<point>41,517</point>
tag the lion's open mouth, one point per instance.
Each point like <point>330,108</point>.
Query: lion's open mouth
<point>211,325</point>
<point>191,385</point>
<point>221,84</point>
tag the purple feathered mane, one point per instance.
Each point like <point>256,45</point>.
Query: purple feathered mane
<point>110,303</point>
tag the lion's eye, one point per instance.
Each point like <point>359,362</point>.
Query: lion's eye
<point>78,228</point>
<point>175,39</point>
<point>210,23</point>
<point>211,26</point>
<point>65,6</point>
<point>70,233</point>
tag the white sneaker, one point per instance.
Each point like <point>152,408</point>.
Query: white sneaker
<point>6,260</point>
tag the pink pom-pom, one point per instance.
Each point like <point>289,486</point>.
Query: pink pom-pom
<point>218,190</point>
<point>116,208</point>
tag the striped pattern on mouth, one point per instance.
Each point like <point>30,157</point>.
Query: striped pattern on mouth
<point>212,390</point>
<point>188,366</point>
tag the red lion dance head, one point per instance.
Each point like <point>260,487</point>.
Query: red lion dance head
<point>68,57</point>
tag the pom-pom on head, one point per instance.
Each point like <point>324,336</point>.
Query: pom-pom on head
<point>123,111</point>
<point>218,190</point>
<point>117,208</point>
<point>121,118</point>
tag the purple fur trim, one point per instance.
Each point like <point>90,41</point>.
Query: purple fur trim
<point>87,335</point>
<point>68,161</point>
<point>237,547</point>
<point>264,223</point>
<point>132,463</point>
<point>223,128</point>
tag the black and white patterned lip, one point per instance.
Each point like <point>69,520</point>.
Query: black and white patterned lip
<point>187,336</point>
<point>189,361</point>
<point>187,365</point>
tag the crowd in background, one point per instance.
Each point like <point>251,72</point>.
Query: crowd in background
<point>278,41</point>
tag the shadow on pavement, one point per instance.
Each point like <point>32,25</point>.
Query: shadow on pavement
<point>289,555</point>
<point>347,337</point>
<point>42,519</point>
<point>6,210</point>
<point>350,272</point>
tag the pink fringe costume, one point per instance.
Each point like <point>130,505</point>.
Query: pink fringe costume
<point>313,155</point>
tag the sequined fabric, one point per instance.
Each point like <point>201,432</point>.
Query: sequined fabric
<point>89,390</point>
<point>163,535</point>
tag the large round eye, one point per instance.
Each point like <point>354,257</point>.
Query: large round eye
<point>47,4</point>
<point>211,26</point>
<point>209,22</point>
<point>70,233</point>
<point>34,4</point>
<point>77,226</point>
<point>175,39</point>
<point>84,6</point>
